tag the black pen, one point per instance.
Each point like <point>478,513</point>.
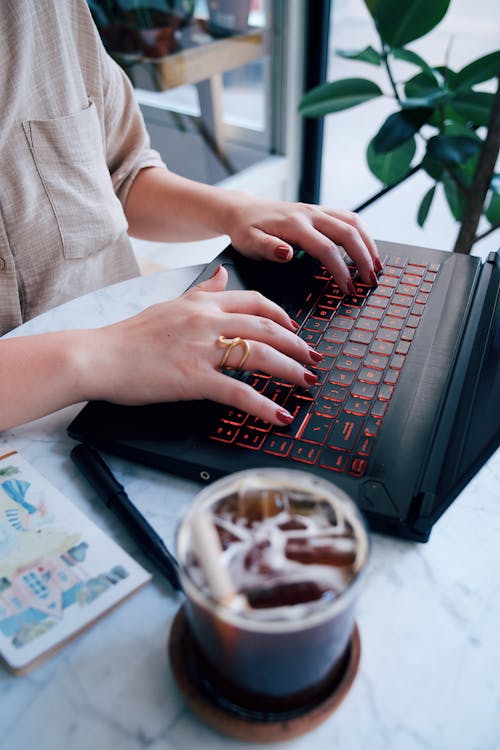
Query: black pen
<point>109,489</point>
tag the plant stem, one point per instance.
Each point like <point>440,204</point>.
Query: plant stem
<point>387,189</point>
<point>385,57</point>
<point>487,232</point>
<point>481,182</point>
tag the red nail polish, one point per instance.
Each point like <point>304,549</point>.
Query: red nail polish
<point>373,278</point>
<point>284,416</point>
<point>216,271</point>
<point>295,325</point>
<point>310,377</point>
<point>315,356</point>
<point>378,265</point>
<point>282,252</point>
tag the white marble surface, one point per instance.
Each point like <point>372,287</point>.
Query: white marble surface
<point>429,615</point>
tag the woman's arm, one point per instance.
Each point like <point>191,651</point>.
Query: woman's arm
<point>168,352</point>
<point>165,207</point>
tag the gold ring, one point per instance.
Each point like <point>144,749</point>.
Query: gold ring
<point>230,344</point>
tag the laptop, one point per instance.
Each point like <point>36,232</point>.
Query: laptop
<point>407,405</point>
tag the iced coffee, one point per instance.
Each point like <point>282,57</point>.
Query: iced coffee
<point>271,561</point>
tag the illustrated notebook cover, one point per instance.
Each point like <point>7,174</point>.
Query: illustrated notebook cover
<point>58,571</point>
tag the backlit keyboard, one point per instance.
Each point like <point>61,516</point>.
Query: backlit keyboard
<point>364,339</point>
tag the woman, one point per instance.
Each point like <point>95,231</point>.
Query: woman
<point>78,178</point>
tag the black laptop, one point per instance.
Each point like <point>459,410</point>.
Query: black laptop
<point>407,404</point>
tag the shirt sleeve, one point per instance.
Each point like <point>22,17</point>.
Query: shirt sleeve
<point>127,142</point>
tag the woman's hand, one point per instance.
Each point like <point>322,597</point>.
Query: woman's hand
<point>268,229</point>
<point>170,351</point>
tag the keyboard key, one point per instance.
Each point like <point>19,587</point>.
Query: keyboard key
<point>395,323</point>
<point>381,347</point>
<point>348,363</point>
<point>354,350</point>
<point>348,311</point>
<point>369,375</point>
<point>391,377</point>
<point>361,337</point>
<point>367,324</point>
<point>333,460</point>
<point>225,433</point>
<point>385,392</point>
<point>365,445</point>
<point>315,429</point>
<point>345,324</point>
<point>326,407</point>
<point>358,406</point>
<point>304,452</point>
<point>328,348</point>
<point>335,336</point>
<point>334,392</point>
<point>373,312</point>
<point>397,362</point>
<point>363,390</point>
<point>358,466</point>
<point>252,439</point>
<point>377,361</point>
<point>233,416</point>
<point>372,427</point>
<point>310,337</point>
<point>377,300</point>
<point>314,324</point>
<point>344,432</point>
<point>341,377</point>
<point>277,445</point>
<point>403,300</point>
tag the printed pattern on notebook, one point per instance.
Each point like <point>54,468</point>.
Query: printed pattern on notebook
<point>365,339</point>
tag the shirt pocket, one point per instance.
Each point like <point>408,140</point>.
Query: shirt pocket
<point>70,159</point>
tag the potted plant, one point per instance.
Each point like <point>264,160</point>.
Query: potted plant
<point>142,27</point>
<point>457,124</point>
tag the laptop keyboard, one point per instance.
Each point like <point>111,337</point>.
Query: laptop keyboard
<point>364,339</point>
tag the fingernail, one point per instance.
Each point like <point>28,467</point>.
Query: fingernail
<point>284,416</point>
<point>378,265</point>
<point>315,356</point>
<point>295,325</point>
<point>350,287</point>
<point>373,278</point>
<point>216,271</point>
<point>282,252</point>
<point>310,377</point>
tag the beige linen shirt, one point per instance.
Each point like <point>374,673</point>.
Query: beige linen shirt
<point>72,140</point>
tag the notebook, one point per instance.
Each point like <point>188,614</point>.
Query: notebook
<point>407,404</point>
<point>59,572</point>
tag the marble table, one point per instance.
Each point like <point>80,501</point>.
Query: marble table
<point>429,615</point>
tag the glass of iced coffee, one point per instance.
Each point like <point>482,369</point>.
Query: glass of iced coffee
<point>271,562</point>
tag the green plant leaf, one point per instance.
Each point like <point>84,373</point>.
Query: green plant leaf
<point>368,55</point>
<point>398,128</point>
<point>474,106</point>
<point>454,196</point>
<point>492,212</point>
<point>338,95</point>
<point>392,166</point>
<point>423,210</point>
<point>433,168</point>
<point>371,5</point>
<point>478,71</point>
<point>422,85</point>
<point>407,55</point>
<point>452,149</point>
<point>399,23</point>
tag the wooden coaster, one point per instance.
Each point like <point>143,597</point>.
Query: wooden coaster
<point>238,724</point>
